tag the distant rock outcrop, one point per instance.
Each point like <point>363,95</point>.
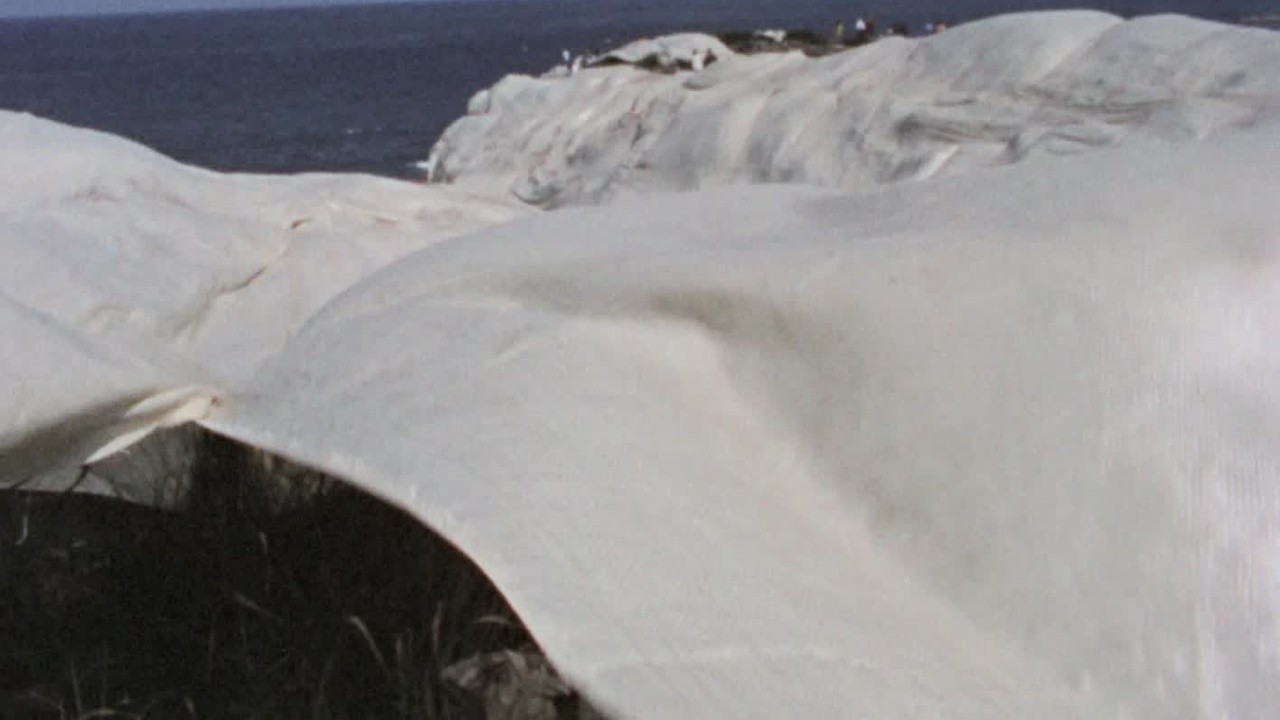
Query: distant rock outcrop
<point>985,94</point>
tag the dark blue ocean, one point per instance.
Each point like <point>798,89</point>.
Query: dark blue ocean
<point>370,88</point>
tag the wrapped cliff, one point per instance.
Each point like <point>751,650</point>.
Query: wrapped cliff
<point>974,418</point>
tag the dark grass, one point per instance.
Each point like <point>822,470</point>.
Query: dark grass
<point>811,43</point>
<point>270,592</point>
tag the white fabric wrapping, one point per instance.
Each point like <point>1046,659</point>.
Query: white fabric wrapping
<point>986,94</point>
<point>992,446</point>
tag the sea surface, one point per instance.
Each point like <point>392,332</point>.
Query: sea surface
<point>370,88</point>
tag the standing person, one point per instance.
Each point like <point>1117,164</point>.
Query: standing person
<point>860,34</point>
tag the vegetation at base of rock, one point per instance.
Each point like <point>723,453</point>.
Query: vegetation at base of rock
<point>270,592</point>
<point>813,44</point>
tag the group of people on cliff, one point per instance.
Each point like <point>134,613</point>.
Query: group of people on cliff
<point>865,30</point>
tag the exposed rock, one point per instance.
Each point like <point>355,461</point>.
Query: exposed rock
<point>512,685</point>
